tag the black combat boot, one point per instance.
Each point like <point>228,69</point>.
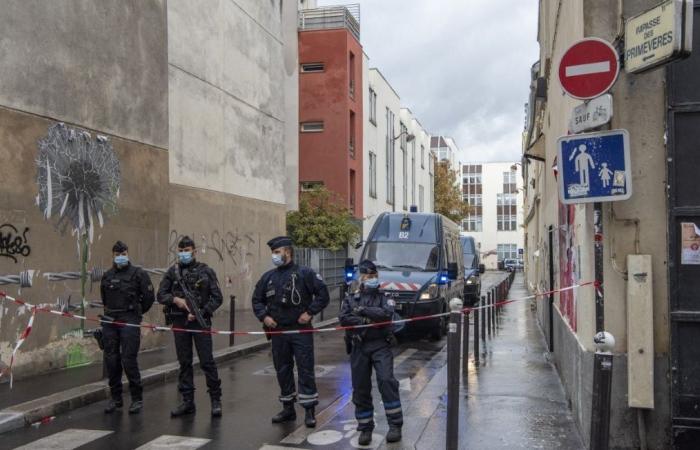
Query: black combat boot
<point>113,405</point>
<point>365,437</point>
<point>136,407</point>
<point>287,414</point>
<point>310,419</point>
<point>394,434</point>
<point>184,408</point>
<point>216,408</point>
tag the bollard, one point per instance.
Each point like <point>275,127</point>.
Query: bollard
<point>465,343</point>
<point>484,311</point>
<point>489,303</point>
<point>453,345</point>
<point>492,314</point>
<point>232,320</point>
<point>602,384</point>
<point>476,331</point>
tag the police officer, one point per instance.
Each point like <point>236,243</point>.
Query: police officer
<point>199,280</point>
<point>287,298</point>
<point>127,293</point>
<point>370,347</point>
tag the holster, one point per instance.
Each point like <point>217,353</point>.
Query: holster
<point>99,337</point>
<point>266,329</point>
<point>348,344</point>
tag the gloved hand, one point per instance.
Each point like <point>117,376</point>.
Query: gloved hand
<point>359,310</point>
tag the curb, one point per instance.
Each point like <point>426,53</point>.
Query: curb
<point>27,413</point>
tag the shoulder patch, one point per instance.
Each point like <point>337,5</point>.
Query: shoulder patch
<point>319,277</point>
<point>391,302</point>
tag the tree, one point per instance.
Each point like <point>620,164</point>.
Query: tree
<point>323,221</point>
<point>448,197</point>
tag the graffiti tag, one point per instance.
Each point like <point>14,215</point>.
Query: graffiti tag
<point>12,244</point>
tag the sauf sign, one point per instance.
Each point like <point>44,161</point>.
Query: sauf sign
<point>659,35</point>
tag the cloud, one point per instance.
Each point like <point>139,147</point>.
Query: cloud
<point>462,66</point>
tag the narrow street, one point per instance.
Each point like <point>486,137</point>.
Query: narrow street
<point>513,400</point>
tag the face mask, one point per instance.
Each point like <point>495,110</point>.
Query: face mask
<point>185,257</point>
<point>121,260</point>
<point>372,283</point>
<point>277,260</point>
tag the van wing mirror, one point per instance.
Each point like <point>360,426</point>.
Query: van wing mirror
<point>482,268</point>
<point>452,271</point>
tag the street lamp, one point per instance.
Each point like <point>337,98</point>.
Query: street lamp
<point>409,136</point>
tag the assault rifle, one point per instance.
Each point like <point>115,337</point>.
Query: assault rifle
<point>191,300</point>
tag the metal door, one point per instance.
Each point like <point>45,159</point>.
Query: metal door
<point>684,207</point>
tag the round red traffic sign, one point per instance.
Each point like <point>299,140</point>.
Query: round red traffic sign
<point>589,68</point>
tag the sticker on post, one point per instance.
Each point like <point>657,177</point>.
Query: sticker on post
<point>453,327</point>
<point>690,243</point>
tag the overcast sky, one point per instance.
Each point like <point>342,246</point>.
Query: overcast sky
<point>461,66</point>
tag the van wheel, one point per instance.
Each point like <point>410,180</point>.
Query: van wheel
<point>440,331</point>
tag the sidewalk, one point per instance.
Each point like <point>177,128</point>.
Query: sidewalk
<point>514,399</point>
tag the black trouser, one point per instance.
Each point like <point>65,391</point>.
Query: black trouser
<point>121,349</point>
<point>365,356</point>
<point>286,349</point>
<point>204,345</point>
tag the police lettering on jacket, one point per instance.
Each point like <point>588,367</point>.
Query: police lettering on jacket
<point>287,292</point>
<point>126,291</point>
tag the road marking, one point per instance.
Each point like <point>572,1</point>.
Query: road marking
<point>175,443</point>
<point>65,440</point>
<point>319,370</point>
<point>587,69</point>
<point>405,384</point>
<point>299,435</point>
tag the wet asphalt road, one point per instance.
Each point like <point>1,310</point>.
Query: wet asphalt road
<point>513,400</point>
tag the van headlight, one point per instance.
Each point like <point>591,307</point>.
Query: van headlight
<point>472,280</point>
<point>430,293</point>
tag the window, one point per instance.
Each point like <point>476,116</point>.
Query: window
<point>506,207</point>
<point>311,127</point>
<point>351,77</point>
<point>389,157</point>
<point>312,67</point>
<point>507,251</point>
<point>421,199</point>
<point>372,106</point>
<point>413,172</point>
<point>404,134</point>
<point>352,191</point>
<point>404,158</point>
<point>472,195</point>
<point>351,144</point>
<point>372,175</point>
<point>422,156</point>
<point>307,186</point>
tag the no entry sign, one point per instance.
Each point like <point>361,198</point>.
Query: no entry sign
<point>589,68</point>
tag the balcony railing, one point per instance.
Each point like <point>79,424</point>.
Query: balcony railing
<point>331,17</point>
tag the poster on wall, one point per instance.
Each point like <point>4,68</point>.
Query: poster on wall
<point>690,243</point>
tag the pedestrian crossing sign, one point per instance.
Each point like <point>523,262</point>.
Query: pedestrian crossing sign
<point>594,167</point>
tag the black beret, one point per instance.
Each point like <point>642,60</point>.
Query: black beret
<point>185,242</point>
<point>368,267</point>
<point>119,247</point>
<point>280,241</point>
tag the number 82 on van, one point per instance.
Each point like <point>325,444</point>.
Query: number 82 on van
<point>403,234</point>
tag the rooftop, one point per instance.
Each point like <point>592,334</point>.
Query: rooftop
<point>331,17</point>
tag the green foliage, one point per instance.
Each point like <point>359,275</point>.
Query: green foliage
<point>322,221</point>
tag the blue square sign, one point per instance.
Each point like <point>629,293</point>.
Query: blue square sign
<point>594,167</point>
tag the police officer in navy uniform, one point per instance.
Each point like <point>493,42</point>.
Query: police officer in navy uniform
<point>370,347</point>
<point>287,298</point>
<point>202,283</point>
<point>127,293</point>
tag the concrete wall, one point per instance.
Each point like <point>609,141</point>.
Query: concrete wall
<point>639,106</point>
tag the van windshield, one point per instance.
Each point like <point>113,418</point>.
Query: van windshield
<point>468,252</point>
<point>402,256</point>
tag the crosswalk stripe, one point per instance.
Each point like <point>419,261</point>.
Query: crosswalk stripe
<point>65,440</point>
<point>174,443</point>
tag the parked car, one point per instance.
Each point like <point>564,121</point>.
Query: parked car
<point>420,264</point>
<point>472,270</point>
<point>512,265</point>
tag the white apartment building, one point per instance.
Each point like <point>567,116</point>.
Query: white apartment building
<point>494,191</point>
<point>445,148</point>
<point>398,167</point>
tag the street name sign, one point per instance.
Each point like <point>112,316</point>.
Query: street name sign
<point>589,68</point>
<point>659,35</point>
<point>594,167</point>
<point>591,114</point>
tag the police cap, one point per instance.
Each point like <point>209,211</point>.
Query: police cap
<point>119,247</point>
<point>368,267</point>
<point>280,241</point>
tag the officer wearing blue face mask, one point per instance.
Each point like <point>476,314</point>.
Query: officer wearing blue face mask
<point>287,298</point>
<point>193,279</point>
<point>127,293</point>
<point>370,347</point>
